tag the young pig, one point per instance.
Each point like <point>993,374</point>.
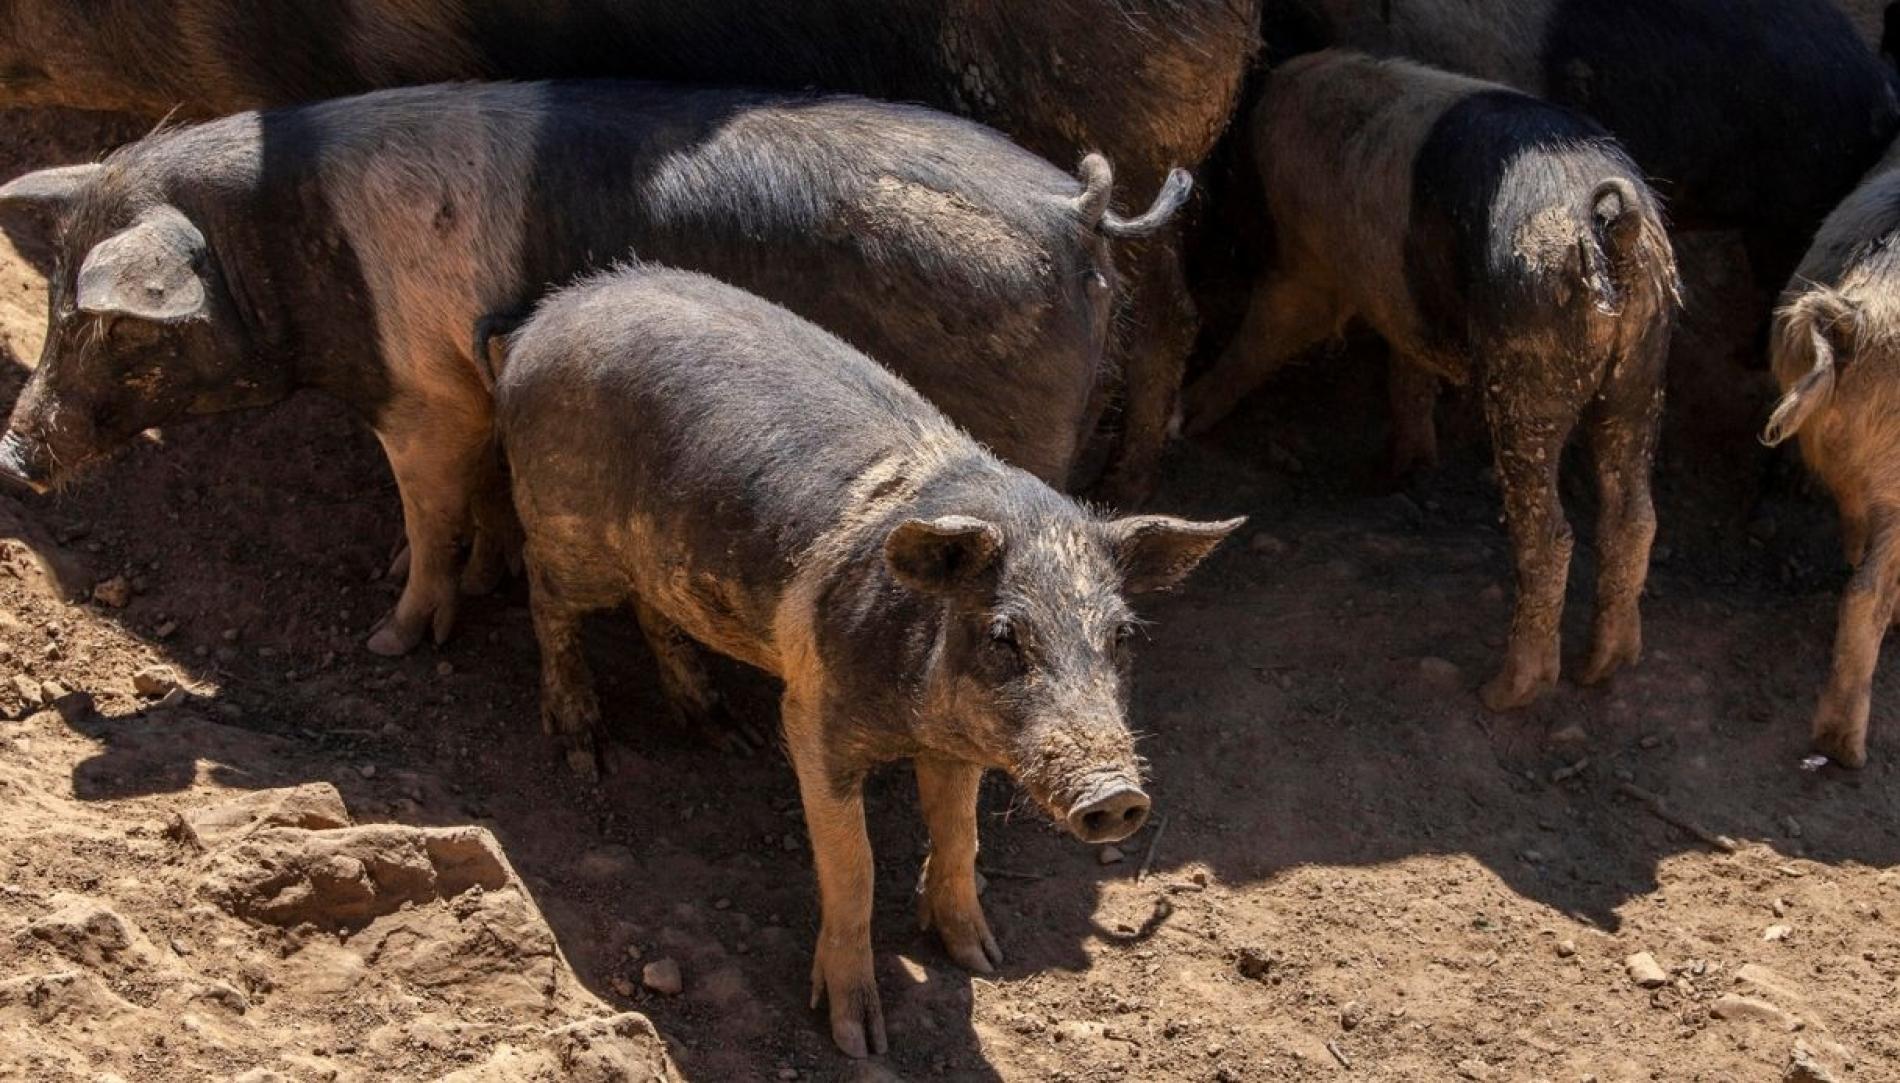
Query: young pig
<point>351,246</point>
<point>1487,236</point>
<point>742,476</point>
<point>1836,354</point>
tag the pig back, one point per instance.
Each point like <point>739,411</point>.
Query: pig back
<point>711,438</point>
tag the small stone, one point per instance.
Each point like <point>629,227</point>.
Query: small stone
<point>1780,907</point>
<point>633,952</point>
<point>622,986</point>
<point>1737,1008</point>
<point>1440,673</point>
<point>1644,971</point>
<point>115,592</point>
<point>367,770</point>
<point>1566,948</point>
<point>1078,1031</point>
<point>165,630</point>
<point>1475,1070</point>
<point>445,668</point>
<point>1650,740</point>
<point>1110,855</point>
<point>53,691</point>
<point>788,1073</point>
<point>28,689</point>
<point>154,681</point>
<point>722,904</point>
<point>663,977</point>
<point>1805,1067</point>
<point>1572,734</point>
<point>230,635</point>
<point>1776,933</point>
<point>1351,1015</point>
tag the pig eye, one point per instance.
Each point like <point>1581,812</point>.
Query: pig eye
<point>1003,641</point>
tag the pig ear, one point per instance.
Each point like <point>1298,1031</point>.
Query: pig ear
<point>941,556</point>
<point>1156,552</point>
<point>149,271</point>
<point>49,189</point>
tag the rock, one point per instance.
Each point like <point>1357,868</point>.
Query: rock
<point>165,630</point>
<point>663,977</point>
<point>1110,855</point>
<point>445,669</point>
<point>1351,1015</point>
<point>1441,674</point>
<point>367,770</point>
<point>1805,1067</point>
<point>53,691</point>
<point>87,931</point>
<point>28,690</point>
<point>345,878</point>
<point>1076,1030</point>
<point>1573,734</point>
<point>1776,933</point>
<point>1475,1070</point>
<point>622,986</point>
<point>154,681</point>
<point>1566,948</point>
<point>1644,971</point>
<point>115,592</point>
<point>1741,1009</point>
<point>315,806</point>
<point>1764,982</point>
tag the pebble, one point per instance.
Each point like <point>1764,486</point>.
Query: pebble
<point>165,630</point>
<point>1441,673</point>
<point>788,1073</point>
<point>1566,948</point>
<point>1351,1014</point>
<point>1078,1031</point>
<point>368,770</point>
<point>28,689</point>
<point>53,691</point>
<point>1740,1009</point>
<point>1572,734</point>
<point>623,986</point>
<point>1644,970</point>
<point>1110,855</point>
<point>1804,1067</point>
<point>115,592</point>
<point>663,977</point>
<point>1776,933</point>
<point>154,681</point>
<point>1650,740</point>
<point>1476,1070</point>
<point>444,669</point>
<point>230,635</point>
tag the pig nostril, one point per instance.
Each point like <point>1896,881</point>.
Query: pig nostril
<point>1094,821</point>
<point>1133,815</point>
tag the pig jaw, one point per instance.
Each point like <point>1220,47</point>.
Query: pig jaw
<point>25,463</point>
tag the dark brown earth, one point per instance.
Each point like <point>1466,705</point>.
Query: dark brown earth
<point>1352,863</point>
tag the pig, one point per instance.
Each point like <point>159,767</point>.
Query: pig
<point>749,481</point>
<point>1834,354</point>
<point>1488,237</point>
<point>1870,20</point>
<point>350,246</point>
<point>1757,115</point>
<point>1150,84</point>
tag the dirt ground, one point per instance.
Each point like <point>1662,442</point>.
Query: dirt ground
<point>1354,871</point>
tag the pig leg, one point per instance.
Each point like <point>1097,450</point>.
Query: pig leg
<point>841,972</point>
<point>436,467</point>
<point>946,899</point>
<point>569,710</point>
<point>1623,430</point>
<point>1528,438</point>
<point>688,687</point>
<point>1867,608</point>
<point>1412,394</point>
<point>1162,326</point>
<point>496,549</point>
<point>1283,319</point>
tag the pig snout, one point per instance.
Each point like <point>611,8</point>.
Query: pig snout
<point>1110,812</point>
<point>25,462</point>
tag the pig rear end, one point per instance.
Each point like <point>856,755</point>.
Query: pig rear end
<point>1836,355</point>
<point>1487,237</point>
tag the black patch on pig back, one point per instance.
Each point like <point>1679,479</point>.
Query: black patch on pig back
<point>1463,214</point>
<point>1750,113</point>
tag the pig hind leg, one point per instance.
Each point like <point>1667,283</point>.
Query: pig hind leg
<point>1622,427</point>
<point>1867,608</point>
<point>842,973</point>
<point>570,711</point>
<point>1284,317</point>
<point>1154,360</point>
<point>1531,419</point>
<point>688,686</point>
<point>946,896</point>
<point>1412,394</point>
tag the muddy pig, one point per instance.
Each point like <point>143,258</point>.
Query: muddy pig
<point>1488,237</point>
<point>351,246</point>
<point>1836,354</point>
<point>750,482</point>
<point>1758,115</point>
<point>1151,84</point>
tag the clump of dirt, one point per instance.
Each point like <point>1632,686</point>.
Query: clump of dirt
<point>308,860</point>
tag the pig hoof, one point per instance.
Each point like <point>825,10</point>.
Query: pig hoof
<point>965,935</point>
<point>392,640</point>
<point>1843,743</point>
<point>844,979</point>
<point>584,761</point>
<point>1509,690</point>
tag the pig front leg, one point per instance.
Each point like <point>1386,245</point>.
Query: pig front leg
<point>689,688</point>
<point>570,712</point>
<point>1623,442</point>
<point>1867,608</point>
<point>841,972</point>
<point>946,899</point>
<point>1528,432</point>
<point>437,461</point>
